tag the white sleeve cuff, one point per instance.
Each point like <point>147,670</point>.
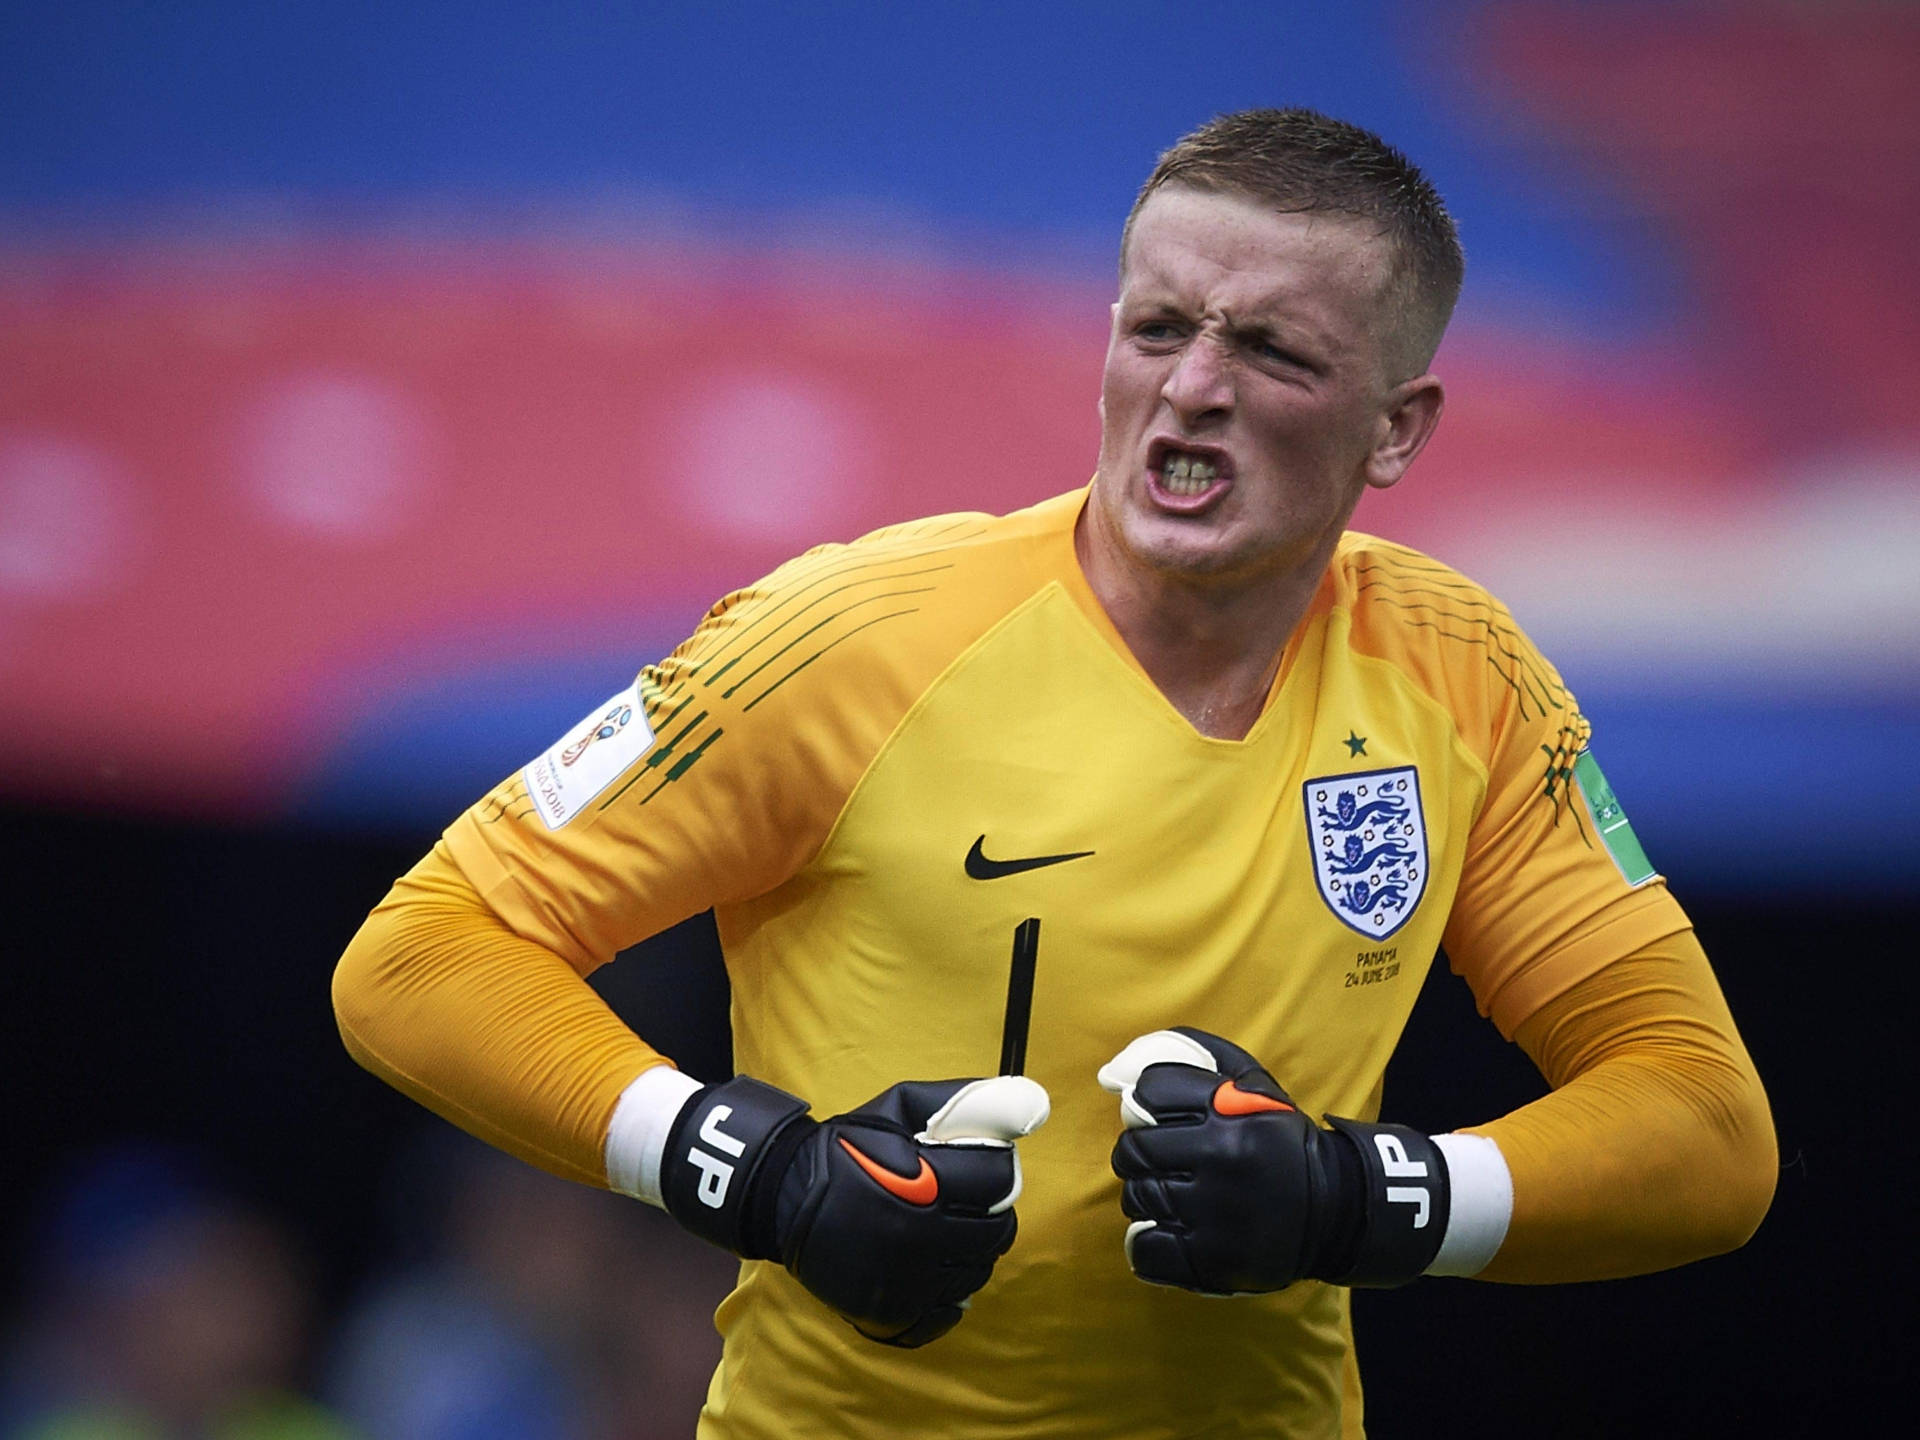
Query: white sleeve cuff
<point>1480,1203</point>
<point>637,1137</point>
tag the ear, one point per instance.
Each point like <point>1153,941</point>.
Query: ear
<point>1113,338</point>
<point>1410,416</point>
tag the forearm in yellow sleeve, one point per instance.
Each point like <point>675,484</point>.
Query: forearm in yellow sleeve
<point>1655,1146</point>
<point>501,1036</point>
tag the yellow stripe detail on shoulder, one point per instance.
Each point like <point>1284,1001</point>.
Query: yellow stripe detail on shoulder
<point>763,722</point>
<point>1452,637</point>
<point>1541,903</point>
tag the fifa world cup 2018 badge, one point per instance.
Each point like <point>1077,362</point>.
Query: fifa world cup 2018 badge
<point>611,724</point>
<point>1369,841</point>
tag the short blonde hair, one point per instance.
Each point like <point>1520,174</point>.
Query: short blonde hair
<point>1302,162</point>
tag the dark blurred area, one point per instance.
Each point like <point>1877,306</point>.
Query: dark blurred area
<point>381,386</point>
<point>216,1214</point>
<point>158,1304</point>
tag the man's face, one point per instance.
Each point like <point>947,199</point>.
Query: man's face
<point>1246,400</point>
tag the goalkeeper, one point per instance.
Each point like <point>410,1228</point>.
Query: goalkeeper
<point>1246,769</point>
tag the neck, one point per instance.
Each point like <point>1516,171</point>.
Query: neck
<point>1212,649</point>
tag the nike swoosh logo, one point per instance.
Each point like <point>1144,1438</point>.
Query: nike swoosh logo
<point>1230,1099</point>
<point>921,1189</point>
<point>981,868</point>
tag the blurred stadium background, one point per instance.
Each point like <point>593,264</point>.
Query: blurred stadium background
<point>380,386</point>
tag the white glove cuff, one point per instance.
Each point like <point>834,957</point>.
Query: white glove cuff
<point>1480,1204</point>
<point>637,1136</point>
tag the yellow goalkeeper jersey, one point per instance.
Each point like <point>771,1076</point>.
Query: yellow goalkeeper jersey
<point>878,762</point>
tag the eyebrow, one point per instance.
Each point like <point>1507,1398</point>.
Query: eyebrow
<point>1298,339</point>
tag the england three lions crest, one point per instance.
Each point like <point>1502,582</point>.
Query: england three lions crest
<point>1369,843</point>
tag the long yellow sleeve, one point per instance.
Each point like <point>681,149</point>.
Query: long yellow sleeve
<point>495,1033</point>
<point>1655,1146</point>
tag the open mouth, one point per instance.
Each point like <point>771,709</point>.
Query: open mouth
<point>1182,472</point>
<point>1188,474</point>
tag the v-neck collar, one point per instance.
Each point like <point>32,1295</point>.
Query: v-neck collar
<point>1062,562</point>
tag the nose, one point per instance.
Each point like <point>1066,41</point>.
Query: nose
<point>1201,381</point>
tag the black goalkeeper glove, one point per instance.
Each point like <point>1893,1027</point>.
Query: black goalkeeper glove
<point>893,1214</point>
<point>1232,1190</point>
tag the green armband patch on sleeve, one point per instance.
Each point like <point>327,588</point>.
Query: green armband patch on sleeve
<point>1610,821</point>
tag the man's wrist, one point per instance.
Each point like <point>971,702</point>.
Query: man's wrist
<point>637,1134</point>
<point>1482,1204</point>
<point>1396,1184</point>
<point>726,1154</point>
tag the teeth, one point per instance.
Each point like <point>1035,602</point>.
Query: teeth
<point>1187,474</point>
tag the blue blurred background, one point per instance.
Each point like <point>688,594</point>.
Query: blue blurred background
<point>380,386</point>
